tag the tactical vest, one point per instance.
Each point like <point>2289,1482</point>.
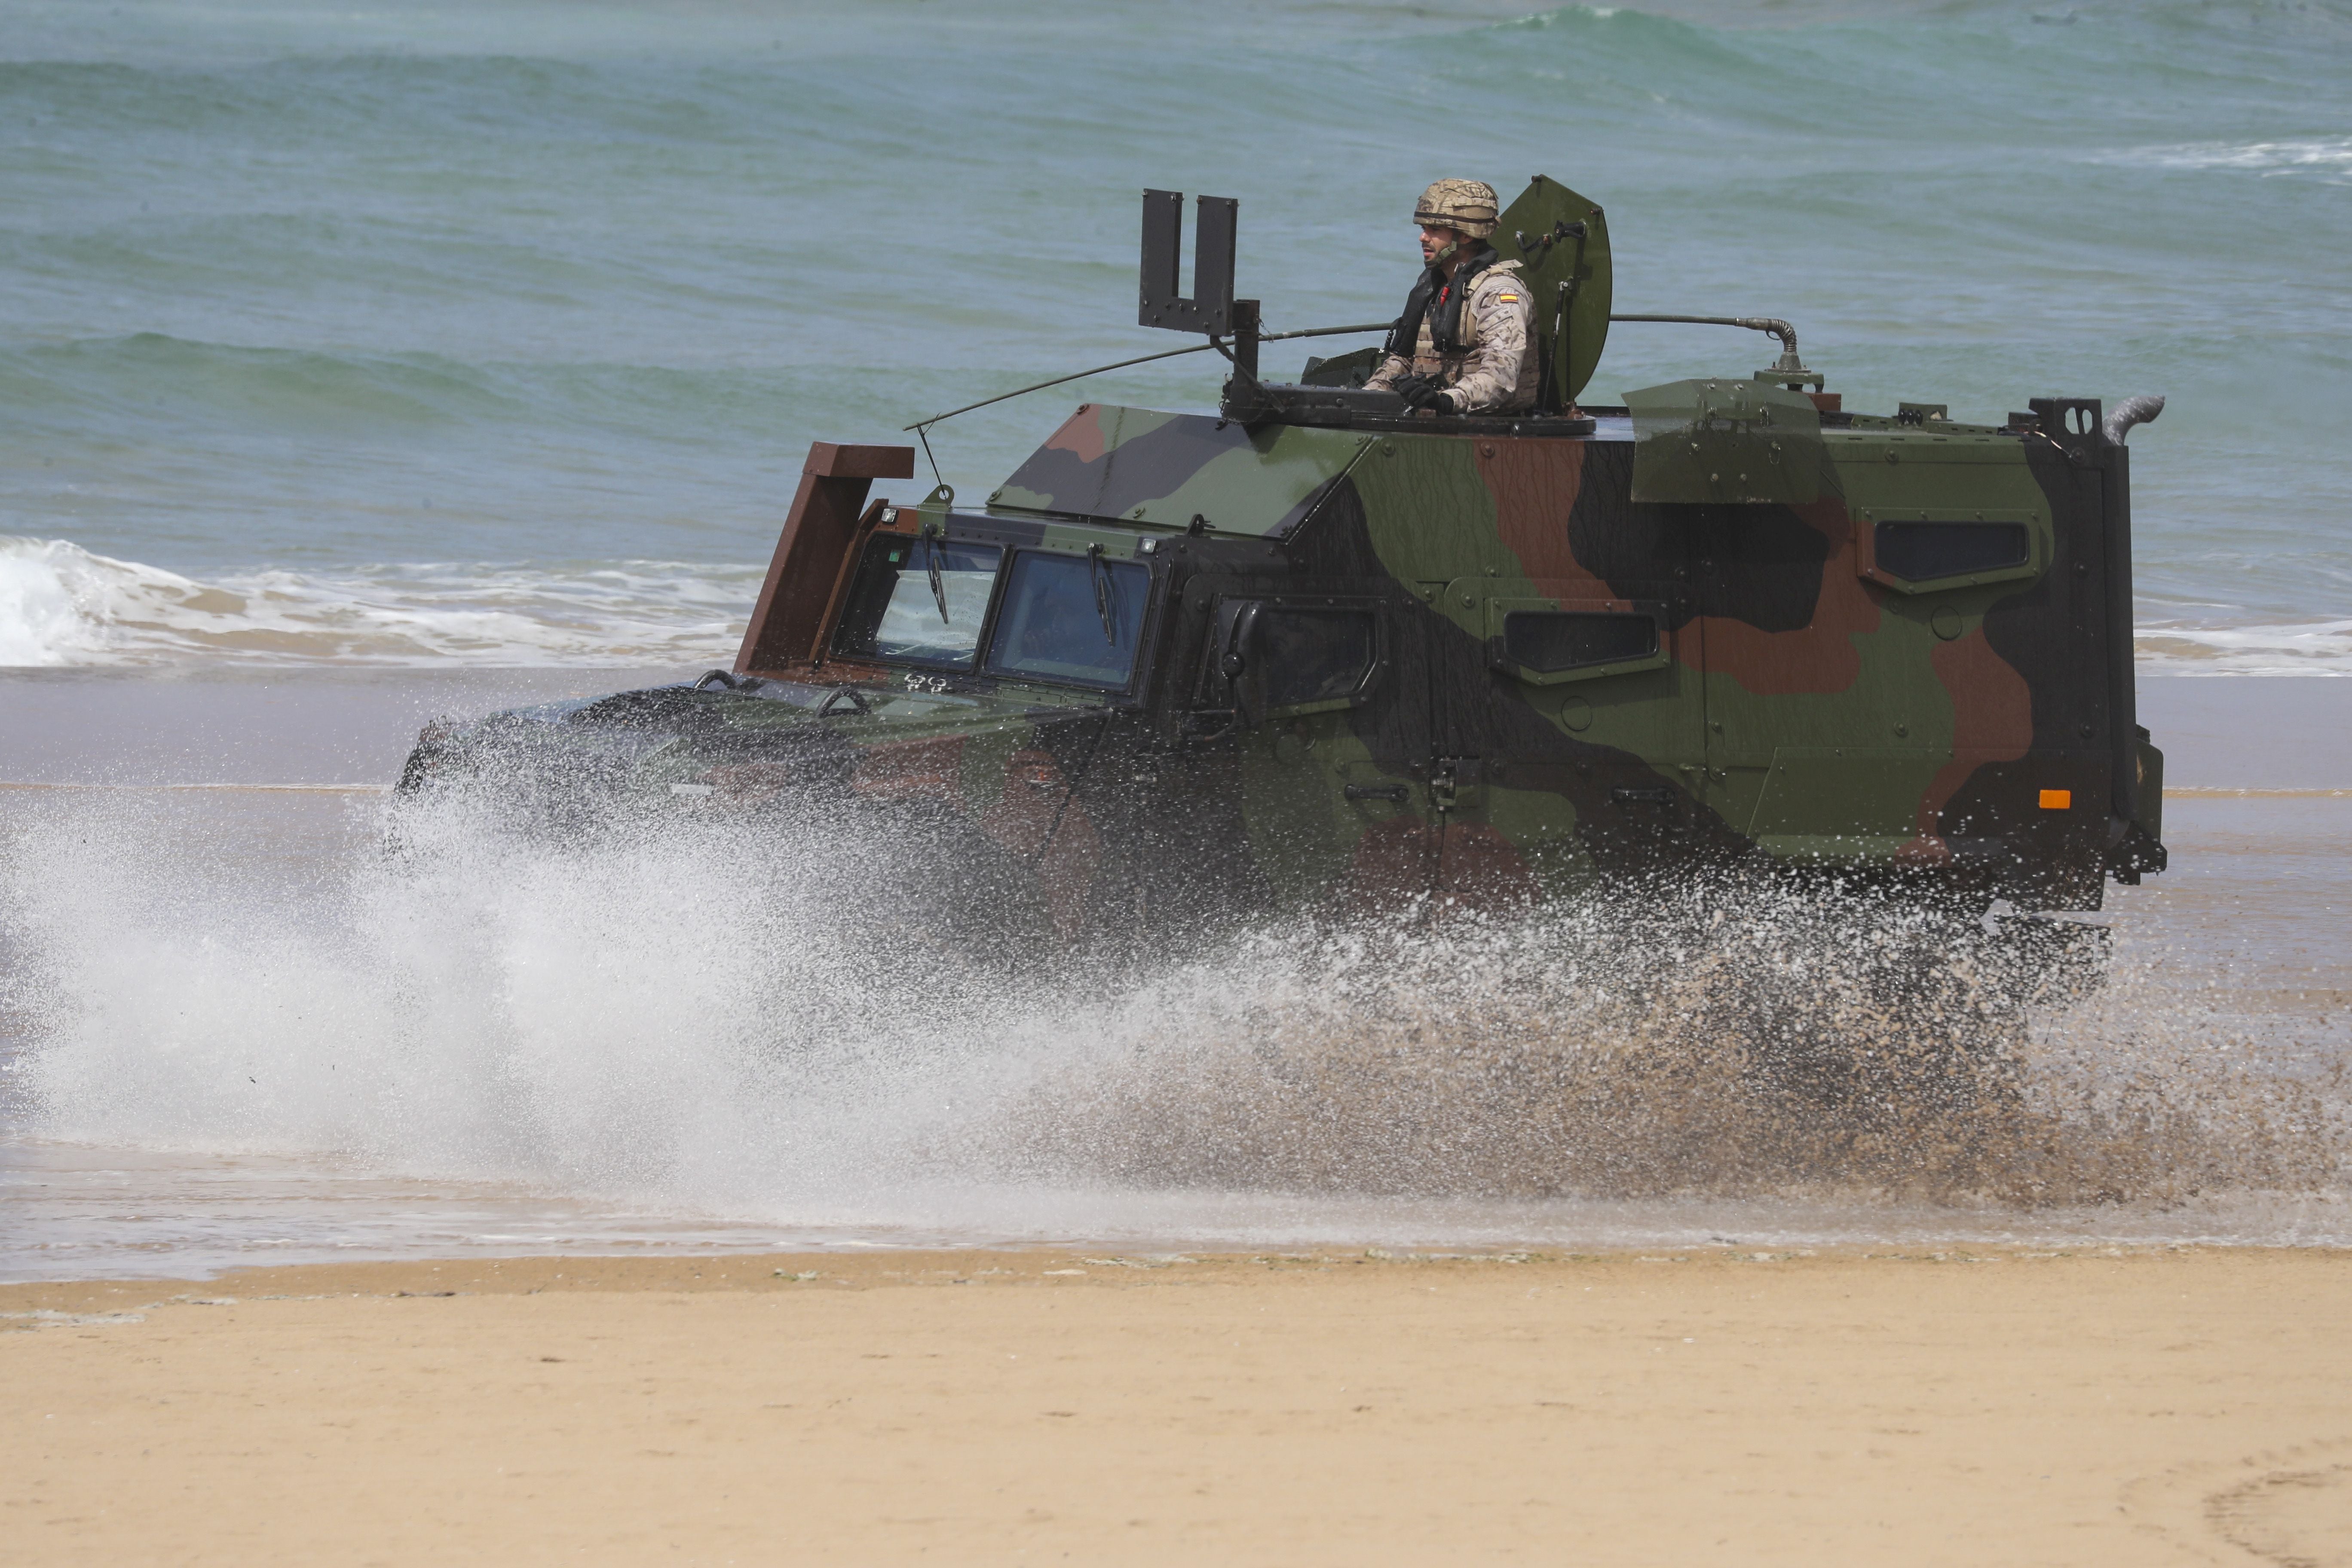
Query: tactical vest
<point>1431,298</point>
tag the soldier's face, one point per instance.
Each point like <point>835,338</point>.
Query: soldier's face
<point>1434,241</point>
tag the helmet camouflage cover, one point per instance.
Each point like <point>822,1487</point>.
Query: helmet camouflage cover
<point>1466,205</point>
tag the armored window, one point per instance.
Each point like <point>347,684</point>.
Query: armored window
<point>1070,617</point>
<point>1550,641</point>
<point>1313,656</point>
<point>922,601</point>
<point>1923,552</point>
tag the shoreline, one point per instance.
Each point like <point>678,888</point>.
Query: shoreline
<point>1961,1405</point>
<point>868,1265</point>
<point>871,1265</point>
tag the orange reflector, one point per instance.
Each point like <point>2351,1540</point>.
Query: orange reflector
<point>2057,799</point>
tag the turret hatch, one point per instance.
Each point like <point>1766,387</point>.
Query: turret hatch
<point>1560,241</point>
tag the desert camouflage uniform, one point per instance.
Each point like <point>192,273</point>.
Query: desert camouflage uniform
<point>1496,371</point>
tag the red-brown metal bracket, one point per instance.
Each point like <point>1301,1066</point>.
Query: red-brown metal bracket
<point>819,531</point>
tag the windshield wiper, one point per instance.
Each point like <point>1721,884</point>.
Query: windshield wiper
<point>931,543</point>
<point>1099,575</point>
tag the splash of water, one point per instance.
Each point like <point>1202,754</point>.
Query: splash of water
<point>705,1019</point>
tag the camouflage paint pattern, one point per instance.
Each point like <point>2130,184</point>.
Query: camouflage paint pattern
<point>1783,698</point>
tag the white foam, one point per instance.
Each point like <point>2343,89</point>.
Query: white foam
<point>62,605</point>
<point>2305,155</point>
<point>2309,647</point>
<point>56,600</point>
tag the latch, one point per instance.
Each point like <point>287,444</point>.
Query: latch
<point>1449,776</point>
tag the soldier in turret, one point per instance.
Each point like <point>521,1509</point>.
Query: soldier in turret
<point>1462,345</point>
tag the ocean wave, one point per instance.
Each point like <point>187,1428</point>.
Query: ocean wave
<point>139,374</point>
<point>2310,648</point>
<point>2322,155</point>
<point>61,604</point>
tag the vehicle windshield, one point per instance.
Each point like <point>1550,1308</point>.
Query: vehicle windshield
<point>1070,617</point>
<point>921,600</point>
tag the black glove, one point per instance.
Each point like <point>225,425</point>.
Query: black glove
<point>1424,392</point>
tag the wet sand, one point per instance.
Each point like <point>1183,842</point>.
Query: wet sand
<point>1721,1406</point>
<point>275,729</point>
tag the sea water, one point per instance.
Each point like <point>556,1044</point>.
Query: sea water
<point>359,364</point>
<point>498,333</point>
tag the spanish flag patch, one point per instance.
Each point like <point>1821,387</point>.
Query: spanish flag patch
<point>1507,298</point>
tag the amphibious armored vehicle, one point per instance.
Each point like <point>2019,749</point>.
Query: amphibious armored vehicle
<point>1315,652</point>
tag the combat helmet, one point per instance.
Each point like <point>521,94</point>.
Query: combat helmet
<point>1465,206</point>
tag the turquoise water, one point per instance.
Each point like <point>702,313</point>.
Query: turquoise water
<point>496,333</point>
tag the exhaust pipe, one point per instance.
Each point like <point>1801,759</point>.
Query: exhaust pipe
<point>2131,411</point>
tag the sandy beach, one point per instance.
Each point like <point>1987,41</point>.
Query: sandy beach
<point>2091,1408</point>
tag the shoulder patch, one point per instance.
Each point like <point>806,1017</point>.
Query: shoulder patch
<point>1509,298</point>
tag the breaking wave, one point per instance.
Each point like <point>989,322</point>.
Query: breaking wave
<point>2330,157</point>
<point>62,605</point>
<point>694,1020</point>
<point>2316,648</point>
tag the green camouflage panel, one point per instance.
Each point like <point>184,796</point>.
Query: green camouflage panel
<point>1798,698</point>
<point>1697,442</point>
<point>1163,470</point>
